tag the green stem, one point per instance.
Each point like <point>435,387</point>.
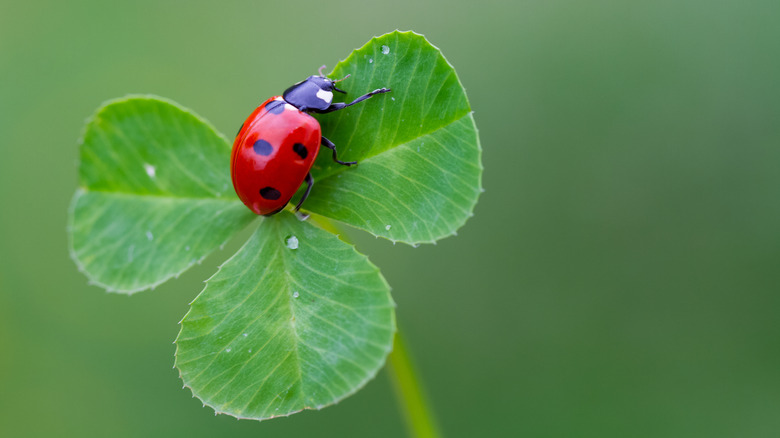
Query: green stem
<point>409,393</point>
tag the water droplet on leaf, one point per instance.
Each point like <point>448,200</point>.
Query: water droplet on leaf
<point>150,170</point>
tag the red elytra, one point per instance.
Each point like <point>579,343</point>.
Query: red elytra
<point>276,146</point>
<point>272,155</point>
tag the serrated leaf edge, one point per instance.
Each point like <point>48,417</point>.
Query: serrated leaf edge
<point>469,113</point>
<point>416,243</point>
<point>357,387</point>
<point>82,189</point>
<point>126,98</point>
<point>92,281</point>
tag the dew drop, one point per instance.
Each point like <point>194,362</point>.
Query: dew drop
<point>149,235</point>
<point>387,227</point>
<point>228,349</point>
<point>385,50</point>
<point>393,99</point>
<point>150,170</point>
<point>370,60</point>
<point>245,335</point>
<point>291,242</point>
<point>295,294</point>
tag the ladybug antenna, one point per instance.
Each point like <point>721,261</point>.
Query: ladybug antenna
<point>339,80</point>
<point>321,69</point>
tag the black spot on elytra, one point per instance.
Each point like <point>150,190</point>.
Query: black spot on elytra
<point>275,107</point>
<point>270,193</point>
<point>262,147</point>
<point>301,150</point>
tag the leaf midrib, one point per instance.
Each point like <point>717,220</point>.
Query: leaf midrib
<point>121,193</point>
<point>291,310</point>
<point>337,170</point>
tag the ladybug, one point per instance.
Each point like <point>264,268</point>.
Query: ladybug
<point>275,148</point>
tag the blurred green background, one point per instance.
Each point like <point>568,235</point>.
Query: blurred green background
<point>620,277</point>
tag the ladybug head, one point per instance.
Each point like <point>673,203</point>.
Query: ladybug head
<point>314,93</point>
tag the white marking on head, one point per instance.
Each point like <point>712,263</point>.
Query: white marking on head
<point>325,96</point>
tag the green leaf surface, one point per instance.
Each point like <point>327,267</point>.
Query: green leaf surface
<point>297,319</point>
<point>155,194</point>
<point>419,172</point>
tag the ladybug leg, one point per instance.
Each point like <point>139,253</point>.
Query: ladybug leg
<point>309,182</point>
<point>341,105</point>
<point>329,144</point>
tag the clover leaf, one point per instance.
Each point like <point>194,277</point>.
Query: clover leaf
<point>297,318</point>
